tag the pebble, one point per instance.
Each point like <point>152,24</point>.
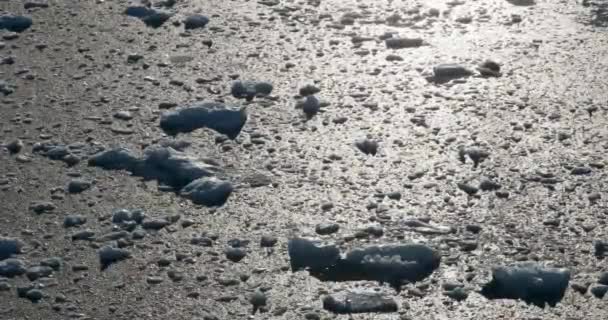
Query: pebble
<point>195,21</point>
<point>12,267</point>
<point>367,146</point>
<point>15,23</point>
<point>78,185</point>
<point>258,299</point>
<point>309,90</point>
<point>401,43</point>
<point>109,255</point>
<point>34,273</point>
<point>15,146</point>
<point>310,106</point>
<point>268,241</point>
<point>9,247</point>
<point>327,228</point>
<point>208,191</point>
<point>235,254</point>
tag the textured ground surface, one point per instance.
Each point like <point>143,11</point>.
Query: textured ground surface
<point>544,119</point>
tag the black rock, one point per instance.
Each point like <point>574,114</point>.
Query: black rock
<point>15,146</point>
<point>109,255</point>
<point>529,282</point>
<point>360,303</point>
<point>601,249</point>
<point>327,228</point>
<point>250,89</point>
<point>235,254</point>
<point>86,235</point>
<point>78,185</point>
<point>34,295</point>
<point>151,17</point>
<point>217,116</point>
<point>467,188</point>
<point>603,279</point>
<point>34,273</point>
<point>196,21</point>
<point>475,154</point>
<point>208,191</point>
<point>15,23</point>
<point>489,68</point>
<point>154,224</point>
<point>9,247</point>
<point>489,185</point>
<point>311,106</point>
<point>367,146</point>
<point>52,262</point>
<point>309,90</point>
<point>401,43</point>
<point>35,4</point>
<point>74,221</point>
<point>268,241</point>
<point>114,159</point>
<point>599,291</point>
<point>446,72</point>
<point>12,267</point>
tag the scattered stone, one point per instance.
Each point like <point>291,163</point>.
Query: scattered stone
<point>599,291</point>
<point>41,207</point>
<point>35,4</point>
<point>12,267</point>
<point>529,282</point>
<point>214,115</point>
<point>522,2</point>
<point>6,88</point>
<point>78,185</point>
<point>310,106</point>
<point>601,248</point>
<point>52,262</point>
<point>15,23</point>
<point>250,89</point>
<point>447,72</point>
<point>154,280</point>
<point>367,146</point>
<point>114,159</point>
<point>151,17</point>
<point>268,241</point>
<point>401,43</point>
<point>109,255</point>
<point>475,154</point>
<point>362,302</point>
<point>84,235</point>
<point>457,293</point>
<point>154,224</point>
<point>195,21</point>
<point>9,247</point>
<point>15,146</point>
<point>489,68</point>
<point>209,191</point>
<point>327,228</point>
<point>34,295</point>
<point>309,90</point>
<point>34,273</point>
<point>235,254</point>
<point>74,221</point>
<point>258,299</point>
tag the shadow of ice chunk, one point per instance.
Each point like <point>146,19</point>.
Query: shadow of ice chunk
<point>529,282</point>
<point>213,115</point>
<point>393,264</point>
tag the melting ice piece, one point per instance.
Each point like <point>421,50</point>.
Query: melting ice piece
<point>395,265</point>
<point>360,303</point>
<point>217,116</point>
<point>529,282</point>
